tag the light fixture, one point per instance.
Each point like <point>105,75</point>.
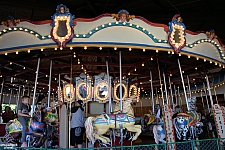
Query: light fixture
<point>85,47</point>
<point>130,49</point>
<point>197,58</point>
<point>100,48</point>
<point>71,48</point>
<point>17,52</point>
<point>172,52</point>
<point>189,56</point>
<point>204,60</point>
<point>168,52</point>
<point>179,54</point>
<point>6,54</point>
<point>78,61</point>
<point>128,73</point>
<point>115,48</point>
<point>28,51</point>
<point>55,49</point>
<point>61,48</point>
<point>157,51</point>
<point>46,75</point>
<point>24,67</point>
<point>170,74</point>
<point>151,58</point>
<point>42,49</point>
<point>143,64</point>
<point>10,63</point>
<point>135,69</point>
<point>196,68</point>
<point>143,50</point>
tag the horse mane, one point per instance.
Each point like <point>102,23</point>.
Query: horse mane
<point>89,129</point>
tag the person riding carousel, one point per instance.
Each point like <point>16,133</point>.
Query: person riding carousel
<point>23,117</point>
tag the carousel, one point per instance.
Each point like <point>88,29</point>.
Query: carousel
<point>140,82</point>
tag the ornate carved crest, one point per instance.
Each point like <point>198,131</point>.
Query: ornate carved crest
<point>123,16</point>
<point>10,22</point>
<point>62,31</point>
<point>176,37</point>
<point>211,34</point>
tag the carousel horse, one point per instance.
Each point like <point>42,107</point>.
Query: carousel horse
<point>185,124</point>
<point>159,132</point>
<point>127,108</point>
<point>97,126</point>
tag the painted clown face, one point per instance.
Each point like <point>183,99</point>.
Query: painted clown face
<point>123,17</point>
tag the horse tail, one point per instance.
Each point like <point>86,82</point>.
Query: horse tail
<point>155,132</point>
<point>89,129</point>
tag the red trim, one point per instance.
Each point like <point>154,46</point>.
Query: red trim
<point>91,19</point>
<point>36,22</point>
<point>166,28</point>
<point>108,15</point>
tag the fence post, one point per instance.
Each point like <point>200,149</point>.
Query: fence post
<point>218,146</point>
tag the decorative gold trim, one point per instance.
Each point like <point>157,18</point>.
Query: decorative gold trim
<point>72,92</point>
<point>88,91</point>
<point>135,90</point>
<point>62,18</point>
<point>115,91</point>
<point>96,90</point>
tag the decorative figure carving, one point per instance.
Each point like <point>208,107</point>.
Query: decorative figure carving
<point>123,16</point>
<point>62,31</point>
<point>176,36</point>
<point>211,34</point>
<point>10,22</point>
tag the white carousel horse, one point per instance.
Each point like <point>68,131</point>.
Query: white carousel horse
<point>185,123</point>
<point>158,131</point>
<point>159,134</point>
<point>97,126</point>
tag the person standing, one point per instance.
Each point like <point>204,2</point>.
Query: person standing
<point>7,115</point>
<point>23,116</point>
<point>77,125</point>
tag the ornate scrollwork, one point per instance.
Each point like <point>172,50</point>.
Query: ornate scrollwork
<point>62,31</point>
<point>68,91</point>
<point>117,90</point>
<point>176,37</point>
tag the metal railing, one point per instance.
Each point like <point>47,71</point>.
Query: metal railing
<point>206,144</point>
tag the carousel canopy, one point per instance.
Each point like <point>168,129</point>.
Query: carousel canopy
<point>143,43</point>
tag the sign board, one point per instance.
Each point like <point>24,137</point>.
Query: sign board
<point>219,120</point>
